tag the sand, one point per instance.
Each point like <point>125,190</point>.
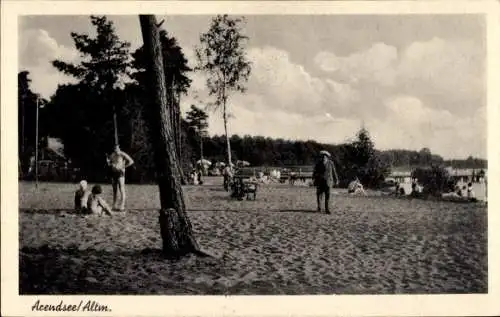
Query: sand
<point>277,244</point>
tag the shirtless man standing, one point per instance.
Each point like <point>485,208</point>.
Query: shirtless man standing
<point>119,161</point>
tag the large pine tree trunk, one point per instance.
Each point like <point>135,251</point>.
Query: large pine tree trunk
<point>176,230</point>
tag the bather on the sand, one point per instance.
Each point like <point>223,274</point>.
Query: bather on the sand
<point>417,191</point>
<point>355,187</point>
<point>96,205</point>
<point>81,196</point>
<point>458,194</point>
<point>119,161</point>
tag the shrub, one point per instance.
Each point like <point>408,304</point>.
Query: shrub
<point>435,180</point>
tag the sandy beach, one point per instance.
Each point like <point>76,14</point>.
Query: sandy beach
<point>277,244</point>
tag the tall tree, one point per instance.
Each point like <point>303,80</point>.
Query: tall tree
<point>175,226</point>
<point>197,120</point>
<point>106,62</point>
<point>176,69</point>
<point>222,55</point>
<point>367,164</point>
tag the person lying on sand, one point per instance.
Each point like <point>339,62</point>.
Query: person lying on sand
<point>81,196</point>
<point>96,205</point>
<point>355,187</point>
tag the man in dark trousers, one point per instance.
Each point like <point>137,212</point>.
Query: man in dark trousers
<point>325,177</point>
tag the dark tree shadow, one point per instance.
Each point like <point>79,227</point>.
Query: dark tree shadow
<point>52,270</point>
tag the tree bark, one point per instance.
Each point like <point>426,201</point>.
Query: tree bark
<point>172,112</point>
<point>173,106</point>
<point>228,144</point>
<point>179,123</point>
<point>176,230</point>
<point>201,147</point>
<point>179,137</point>
<point>115,126</point>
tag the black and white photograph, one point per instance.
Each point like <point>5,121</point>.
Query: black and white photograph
<point>231,153</point>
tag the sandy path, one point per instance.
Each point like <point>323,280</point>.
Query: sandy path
<point>275,245</point>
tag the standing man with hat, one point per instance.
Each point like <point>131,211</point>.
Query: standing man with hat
<point>325,177</point>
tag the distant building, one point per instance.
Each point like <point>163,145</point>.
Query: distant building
<point>52,163</point>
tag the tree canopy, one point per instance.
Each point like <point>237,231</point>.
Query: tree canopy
<point>222,55</point>
<point>80,116</point>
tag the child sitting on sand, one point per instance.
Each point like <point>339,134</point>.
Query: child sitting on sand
<point>96,204</point>
<point>81,196</point>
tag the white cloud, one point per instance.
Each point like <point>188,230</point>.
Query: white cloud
<point>453,69</point>
<point>288,86</point>
<point>37,47</point>
<point>449,71</point>
<point>412,113</point>
<point>375,64</point>
<point>407,99</point>
<point>422,96</point>
<point>411,124</point>
<point>284,100</point>
<point>37,50</point>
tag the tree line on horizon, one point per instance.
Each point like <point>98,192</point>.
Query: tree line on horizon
<point>91,115</point>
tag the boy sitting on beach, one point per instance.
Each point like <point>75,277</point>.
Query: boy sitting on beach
<point>96,205</point>
<point>81,196</point>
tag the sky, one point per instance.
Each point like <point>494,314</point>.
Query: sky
<point>413,81</point>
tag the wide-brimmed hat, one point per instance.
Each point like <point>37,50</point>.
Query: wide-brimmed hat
<point>326,153</point>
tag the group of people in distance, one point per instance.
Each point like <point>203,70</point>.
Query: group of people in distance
<point>91,202</point>
<point>464,193</point>
<point>324,178</point>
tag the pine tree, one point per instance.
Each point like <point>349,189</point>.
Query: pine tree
<point>176,230</point>
<point>105,64</point>
<point>366,162</point>
<point>175,69</point>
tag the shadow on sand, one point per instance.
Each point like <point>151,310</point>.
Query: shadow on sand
<point>51,270</point>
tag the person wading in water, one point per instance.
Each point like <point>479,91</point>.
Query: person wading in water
<point>119,161</point>
<point>325,177</point>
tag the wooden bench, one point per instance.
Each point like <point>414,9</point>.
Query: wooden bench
<point>243,185</point>
<point>292,174</point>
